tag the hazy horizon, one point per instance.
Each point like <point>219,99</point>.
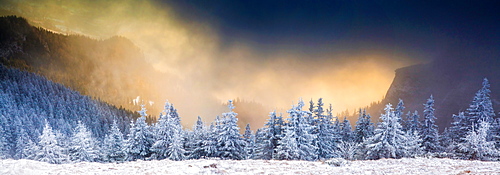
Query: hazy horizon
<point>270,53</point>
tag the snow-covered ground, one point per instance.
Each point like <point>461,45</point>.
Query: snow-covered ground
<point>385,166</point>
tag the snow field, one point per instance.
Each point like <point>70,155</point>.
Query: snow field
<point>404,166</point>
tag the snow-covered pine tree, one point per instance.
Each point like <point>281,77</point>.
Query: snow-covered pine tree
<point>364,127</point>
<point>304,131</point>
<point>274,128</point>
<point>347,149</point>
<point>250,142</point>
<point>230,144</point>
<point>288,148</point>
<point>83,148</point>
<point>429,133</point>
<point>176,149</point>
<point>163,133</point>
<point>263,146</point>
<point>412,145</point>
<point>346,130</point>
<point>49,151</point>
<point>326,140</point>
<point>4,143</point>
<point>412,122</point>
<point>140,139</point>
<point>211,143</point>
<point>481,107</point>
<point>475,145</point>
<point>388,138</point>
<point>114,145</point>
<point>399,110</point>
<point>459,127</point>
<point>495,132</point>
<point>22,142</point>
<point>195,143</point>
<point>31,150</point>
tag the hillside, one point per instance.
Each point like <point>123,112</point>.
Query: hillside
<point>110,69</point>
<point>24,116</point>
<point>452,82</point>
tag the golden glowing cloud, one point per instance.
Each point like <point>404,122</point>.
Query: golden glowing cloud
<point>197,75</point>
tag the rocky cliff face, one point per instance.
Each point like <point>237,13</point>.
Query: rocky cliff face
<point>453,83</point>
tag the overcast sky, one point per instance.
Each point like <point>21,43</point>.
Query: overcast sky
<point>422,27</point>
<point>275,52</point>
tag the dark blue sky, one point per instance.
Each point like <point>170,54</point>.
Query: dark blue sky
<point>424,27</point>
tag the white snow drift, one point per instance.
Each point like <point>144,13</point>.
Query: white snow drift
<point>384,166</point>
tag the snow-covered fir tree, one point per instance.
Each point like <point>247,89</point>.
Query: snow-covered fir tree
<point>288,148</point>
<point>263,145</point>
<point>302,130</point>
<point>481,107</point>
<point>250,142</point>
<point>346,130</point>
<point>429,133</point>
<point>459,127</point>
<point>22,142</point>
<point>230,144</point>
<point>305,133</point>
<point>475,145</point>
<point>347,149</point>
<point>326,140</point>
<point>163,133</point>
<point>4,143</point>
<point>413,144</point>
<point>48,149</point>
<point>195,143</point>
<point>140,139</point>
<point>82,146</point>
<point>275,129</point>
<point>364,127</point>
<point>388,138</point>
<point>412,122</point>
<point>176,149</point>
<point>399,110</point>
<point>114,145</point>
<point>210,145</point>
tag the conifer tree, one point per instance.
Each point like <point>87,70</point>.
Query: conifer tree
<point>388,138</point>
<point>274,128</point>
<point>481,107</point>
<point>250,142</point>
<point>288,148</point>
<point>412,144</point>
<point>211,143</point>
<point>22,142</point>
<point>196,142</point>
<point>140,140</point>
<point>326,140</point>
<point>364,127</point>
<point>459,127</point>
<point>114,145</point>
<point>475,145</point>
<point>83,146</point>
<point>412,122</point>
<point>263,145</point>
<point>4,143</point>
<point>230,143</point>
<point>430,137</point>
<point>49,150</point>
<point>398,111</point>
<point>346,130</point>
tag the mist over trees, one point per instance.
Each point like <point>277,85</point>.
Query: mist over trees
<point>45,121</point>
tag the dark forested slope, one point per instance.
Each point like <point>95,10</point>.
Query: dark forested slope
<point>113,70</point>
<point>43,100</point>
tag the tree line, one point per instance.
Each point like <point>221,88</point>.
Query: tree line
<point>308,134</point>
